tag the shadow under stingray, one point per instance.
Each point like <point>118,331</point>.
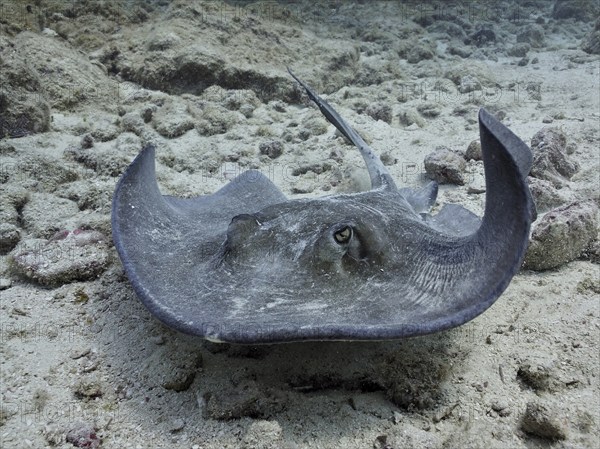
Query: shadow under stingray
<point>195,379</point>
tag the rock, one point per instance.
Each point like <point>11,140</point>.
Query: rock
<point>481,38</point>
<point>68,77</point>
<point>192,69</point>
<point>88,195</point>
<point>245,400</point>
<point>445,166</point>
<point>45,214</point>
<point>562,235</point>
<point>87,142</point>
<point>303,185</point>
<point>519,50</point>
<point>501,407</point>
<point>176,425</point>
<point>583,10</point>
<point>586,285</point>
<point>460,50</point>
<point>214,119</point>
<point>591,43</point>
<point>539,373</point>
<point>89,388</point>
<point>474,151</point>
<point>545,195</point>
<point>414,50</point>
<point>71,256</point>
<point>172,120</point>
<point>9,237</point>
<point>409,116</point>
<point>541,419</point>
<point>43,172</point>
<point>171,369</point>
<point>532,35</point>
<point>107,162</point>
<point>387,158</point>
<point>272,148</point>
<point>315,125</point>
<point>548,119</point>
<point>23,109</point>
<point>550,161</point>
<point>5,283</point>
<point>476,183</point>
<point>163,41</point>
<point>451,29</point>
<point>470,76</point>
<point>83,435</point>
<point>263,434</point>
<point>429,110</point>
<point>592,253</point>
<point>523,62</point>
<point>380,111</point>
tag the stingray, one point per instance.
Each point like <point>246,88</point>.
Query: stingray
<point>248,265</point>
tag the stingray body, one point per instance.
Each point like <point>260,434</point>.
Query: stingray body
<point>248,265</point>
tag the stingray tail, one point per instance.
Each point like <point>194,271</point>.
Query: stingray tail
<point>380,178</point>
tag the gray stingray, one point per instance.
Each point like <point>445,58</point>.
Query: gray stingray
<point>247,265</point>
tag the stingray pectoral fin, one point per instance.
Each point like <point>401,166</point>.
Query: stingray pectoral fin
<point>461,274</point>
<point>137,202</point>
<point>453,219</point>
<point>423,199</point>
<point>166,242</point>
<point>502,238</point>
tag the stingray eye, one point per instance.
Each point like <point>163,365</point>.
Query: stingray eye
<point>343,235</point>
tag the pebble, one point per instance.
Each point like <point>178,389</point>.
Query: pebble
<point>272,148</point>
<point>87,141</point>
<point>550,161</point>
<point>539,372</point>
<point>445,166</point>
<point>501,407</point>
<point>5,283</point>
<point>157,340</point>
<point>542,420</point>
<point>176,425</point>
<point>88,389</point>
<point>477,184</point>
<point>303,185</point>
<point>519,50</point>
<point>387,158</point>
<point>562,235</point>
<point>83,435</point>
<point>410,117</point>
<point>429,110</point>
<point>380,111</point>
<point>474,151</point>
<point>78,256</point>
<point>460,50</point>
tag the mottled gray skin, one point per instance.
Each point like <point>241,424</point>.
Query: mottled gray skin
<point>247,265</point>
